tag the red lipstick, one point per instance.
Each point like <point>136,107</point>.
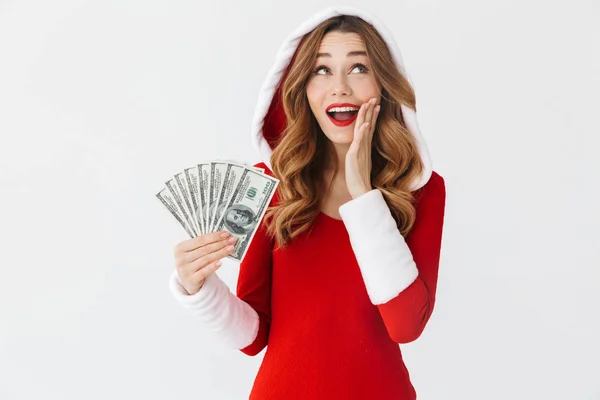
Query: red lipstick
<point>346,122</point>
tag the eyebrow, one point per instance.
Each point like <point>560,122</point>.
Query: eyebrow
<point>351,54</point>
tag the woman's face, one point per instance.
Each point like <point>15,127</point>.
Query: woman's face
<point>340,77</point>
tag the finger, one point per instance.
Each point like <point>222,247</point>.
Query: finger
<point>376,113</point>
<point>210,258</point>
<point>207,249</point>
<point>369,111</point>
<point>374,118</point>
<point>359,135</point>
<point>366,129</point>
<point>202,240</point>
<point>360,119</point>
<point>203,273</point>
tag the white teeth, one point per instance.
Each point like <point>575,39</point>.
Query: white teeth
<point>343,109</point>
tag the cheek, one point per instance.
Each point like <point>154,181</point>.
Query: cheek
<point>314,94</point>
<point>314,102</point>
<point>367,89</point>
<point>311,95</point>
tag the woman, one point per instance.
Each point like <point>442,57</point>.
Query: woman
<point>344,266</point>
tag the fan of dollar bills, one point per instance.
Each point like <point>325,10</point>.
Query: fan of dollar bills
<point>220,196</point>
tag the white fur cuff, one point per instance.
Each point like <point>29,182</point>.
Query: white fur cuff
<point>234,320</point>
<point>384,258</point>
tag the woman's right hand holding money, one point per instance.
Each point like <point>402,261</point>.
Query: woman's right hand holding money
<point>199,257</point>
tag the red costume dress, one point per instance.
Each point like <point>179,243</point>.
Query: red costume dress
<point>332,306</point>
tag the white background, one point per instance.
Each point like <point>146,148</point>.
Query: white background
<point>101,102</point>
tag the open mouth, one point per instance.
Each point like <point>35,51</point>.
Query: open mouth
<point>342,118</point>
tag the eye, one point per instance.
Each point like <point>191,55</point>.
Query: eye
<point>361,66</point>
<point>357,65</point>
<point>320,67</point>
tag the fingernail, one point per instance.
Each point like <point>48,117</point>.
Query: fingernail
<point>229,248</point>
<point>232,239</point>
<point>224,234</point>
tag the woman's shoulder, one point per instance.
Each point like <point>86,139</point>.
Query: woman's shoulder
<point>436,180</point>
<point>434,190</point>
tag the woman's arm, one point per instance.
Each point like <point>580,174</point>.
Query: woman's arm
<point>400,275</point>
<point>235,321</point>
<point>254,286</point>
<point>242,320</point>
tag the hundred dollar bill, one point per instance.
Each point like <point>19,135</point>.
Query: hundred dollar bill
<point>204,171</point>
<point>166,198</point>
<point>177,196</point>
<point>245,209</point>
<point>217,173</point>
<point>184,189</point>
<point>212,182</point>
<point>192,178</point>
<point>187,195</point>
<point>232,175</point>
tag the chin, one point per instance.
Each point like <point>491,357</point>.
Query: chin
<point>343,137</point>
<point>339,135</point>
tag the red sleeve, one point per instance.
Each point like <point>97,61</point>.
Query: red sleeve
<point>406,315</point>
<point>254,281</point>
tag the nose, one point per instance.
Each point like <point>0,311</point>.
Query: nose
<point>341,87</point>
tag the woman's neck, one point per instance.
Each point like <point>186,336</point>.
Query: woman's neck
<point>336,159</point>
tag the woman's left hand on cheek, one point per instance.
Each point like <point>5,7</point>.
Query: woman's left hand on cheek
<point>358,158</point>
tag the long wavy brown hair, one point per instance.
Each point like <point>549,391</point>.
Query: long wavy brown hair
<point>302,150</point>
